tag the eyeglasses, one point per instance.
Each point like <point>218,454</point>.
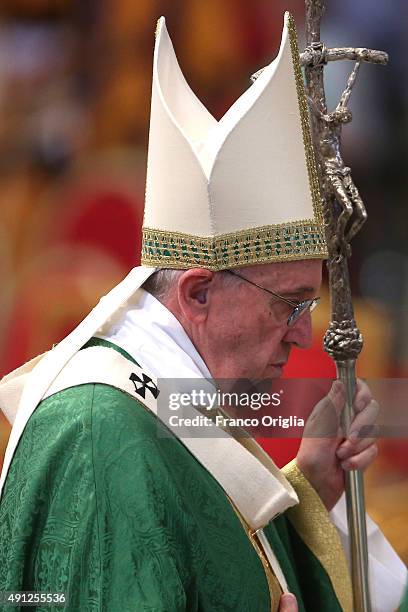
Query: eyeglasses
<point>298,307</point>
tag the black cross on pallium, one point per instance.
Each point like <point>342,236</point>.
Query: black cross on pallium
<point>141,384</point>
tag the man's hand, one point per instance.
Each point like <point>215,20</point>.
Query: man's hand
<point>324,453</point>
<point>288,603</point>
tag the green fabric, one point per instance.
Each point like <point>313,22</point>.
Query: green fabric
<point>97,504</point>
<point>404,605</point>
<point>106,343</point>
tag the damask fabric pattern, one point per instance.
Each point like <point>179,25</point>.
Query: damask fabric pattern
<point>404,605</point>
<point>101,503</point>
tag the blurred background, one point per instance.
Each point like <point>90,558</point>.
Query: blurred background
<point>75,79</point>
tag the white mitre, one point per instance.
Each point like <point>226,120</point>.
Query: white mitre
<point>239,191</point>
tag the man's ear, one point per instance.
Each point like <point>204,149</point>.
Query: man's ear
<point>194,293</point>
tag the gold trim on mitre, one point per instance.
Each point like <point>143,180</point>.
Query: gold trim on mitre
<point>259,245</point>
<point>305,122</point>
<point>311,521</point>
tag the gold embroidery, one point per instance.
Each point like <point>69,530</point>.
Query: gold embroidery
<point>304,119</point>
<point>275,590</point>
<point>311,521</point>
<point>157,30</point>
<point>270,243</point>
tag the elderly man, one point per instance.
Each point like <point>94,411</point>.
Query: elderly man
<point>104,508</point>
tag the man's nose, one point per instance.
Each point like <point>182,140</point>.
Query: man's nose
<point>300,334</point>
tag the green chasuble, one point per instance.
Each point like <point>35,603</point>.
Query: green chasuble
<point>404,605</point>
<point>98,505</point>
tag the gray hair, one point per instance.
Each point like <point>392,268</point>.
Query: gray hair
<point>161,282</point>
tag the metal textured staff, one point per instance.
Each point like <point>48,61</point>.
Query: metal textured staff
<point>344,213</point>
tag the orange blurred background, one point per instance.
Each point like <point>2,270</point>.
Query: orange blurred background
<point>75,79</point>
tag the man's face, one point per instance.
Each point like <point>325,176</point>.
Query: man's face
<point>247,332</point>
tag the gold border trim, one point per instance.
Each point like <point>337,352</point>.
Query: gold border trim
<point>258,245</point>
<point>305,124</point>
<point>275,590</point>
<point>311,520</point>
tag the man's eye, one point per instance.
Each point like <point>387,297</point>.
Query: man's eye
<point>279,306</point>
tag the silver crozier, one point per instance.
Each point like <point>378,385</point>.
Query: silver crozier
<point>345,214</point>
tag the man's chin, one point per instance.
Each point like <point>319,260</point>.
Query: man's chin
<point>273,371</point>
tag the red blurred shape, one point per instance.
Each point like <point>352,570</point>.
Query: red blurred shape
<point>310,363</point>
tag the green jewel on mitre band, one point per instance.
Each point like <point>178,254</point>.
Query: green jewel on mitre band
<point>273,243</point>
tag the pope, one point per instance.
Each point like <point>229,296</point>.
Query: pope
<point>102,499</point>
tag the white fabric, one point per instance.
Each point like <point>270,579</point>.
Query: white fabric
<point>247,170</point>
<point>150,332</point>
<point>12,385</point>
<point>387,573</point>
<point>277,570</point>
